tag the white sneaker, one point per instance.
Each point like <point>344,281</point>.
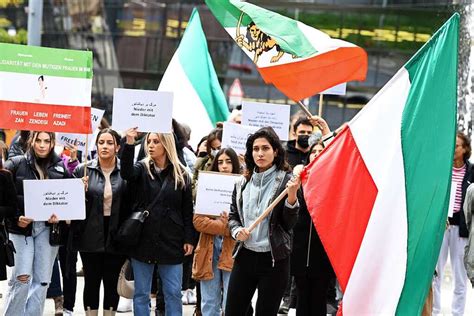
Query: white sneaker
<point>67,312</point>
<point>125,305</point>
<point>191,297</point>
<point>184,297</point>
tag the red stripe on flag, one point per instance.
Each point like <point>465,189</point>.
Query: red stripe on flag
<point>302,79</point>
<point>45,117</point>
<point>340,194</point>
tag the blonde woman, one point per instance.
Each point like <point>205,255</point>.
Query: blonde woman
<point>161,181</point>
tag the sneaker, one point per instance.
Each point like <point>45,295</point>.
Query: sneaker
<point>191,296</point>
<point>58,305</point>
<point>125,305</point>
<point>67,312</point>
<point>284,308</point>
<point>184,297</point>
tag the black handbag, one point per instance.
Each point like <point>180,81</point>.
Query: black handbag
<point>8,248</point>
<point>130,231</point>
<point>57,235</point>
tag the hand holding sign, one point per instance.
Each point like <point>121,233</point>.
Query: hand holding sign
<point>131,134</point>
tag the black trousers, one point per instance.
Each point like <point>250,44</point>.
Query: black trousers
<point>101,267</point>
<point>251,271</point>
<point>311,295</point>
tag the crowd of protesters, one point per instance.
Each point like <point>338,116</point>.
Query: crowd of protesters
<point>182,257</point>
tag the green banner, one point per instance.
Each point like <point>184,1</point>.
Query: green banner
<point>45,61</point>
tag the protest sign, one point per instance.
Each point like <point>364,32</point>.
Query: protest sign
<point>80,139</point>
<point>214,193</point>
<point>276,116</point>
<point>150,111</point>
<point>63,197</point>
<point>45,89</point>
<point>235,136</point>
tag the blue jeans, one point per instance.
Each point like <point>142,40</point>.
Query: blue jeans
<point>34,258</point>
<point>171,278</point>
<point>214,291</point>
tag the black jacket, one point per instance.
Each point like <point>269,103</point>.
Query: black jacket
<point>90,235</point>
<point>170,223</point>
<point>7,210</point>
<point>282,218</point>
<point>295,156</point>
<point>23,168</point>
<point>15,150</point>
<point>308,256</point>
<point>458,217</point>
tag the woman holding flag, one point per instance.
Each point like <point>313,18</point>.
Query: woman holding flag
<point>262,256</point>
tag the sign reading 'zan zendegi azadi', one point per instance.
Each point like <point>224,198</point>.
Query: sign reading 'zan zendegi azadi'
<point>45,89</point>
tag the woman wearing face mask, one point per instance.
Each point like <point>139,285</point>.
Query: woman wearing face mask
<point>310,265</point>
<point>34,257</point>
<point>94,236</point>
<point>213,145</point>
<point>262,257</point>
<point>161,186</point>
<point>215,242</point>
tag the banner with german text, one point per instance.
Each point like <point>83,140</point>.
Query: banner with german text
<point>45,89</point>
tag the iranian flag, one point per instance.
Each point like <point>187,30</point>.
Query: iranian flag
<point>297,59</point>
<point>198,98</point>
<point>45,89</point>
<point>378,194</point>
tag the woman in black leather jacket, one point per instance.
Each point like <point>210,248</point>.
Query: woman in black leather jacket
<point>262,257</point>
<point>94,236</point>
<point>34,257</point>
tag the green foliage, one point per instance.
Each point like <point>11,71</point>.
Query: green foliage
<point>21,37</point>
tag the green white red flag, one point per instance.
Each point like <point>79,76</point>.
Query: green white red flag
<point>378,194</point>
<point>297,59</point>
<point>45,89</point>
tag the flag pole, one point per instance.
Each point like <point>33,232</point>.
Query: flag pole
<point>268,210</point>
<point>305,109</point>
<point>87,153</point>
<point>320,110</point>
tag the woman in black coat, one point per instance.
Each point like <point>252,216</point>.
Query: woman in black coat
<point>7,211</point>
<point>94,236</point>
<point>310,265</point>
<point>162,187</point>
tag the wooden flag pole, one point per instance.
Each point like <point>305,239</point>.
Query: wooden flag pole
<point>268,210</point>
<point>305,109</point>
<point>320,110</point>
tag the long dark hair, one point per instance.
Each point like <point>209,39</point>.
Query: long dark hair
<point>269,134</point>
<point>216,133</point>
<point>233,157</point>
<point>3,153</point>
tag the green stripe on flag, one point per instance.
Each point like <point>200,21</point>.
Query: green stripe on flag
<point>45,61</point>
<point>284,30</point>
<point>428,139</point>
<point>197,64</point>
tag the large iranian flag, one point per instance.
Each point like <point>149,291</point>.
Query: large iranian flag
<point>378,195</point>
<point>45,89</point>
<point>198,99</point>
<point>297,59</point>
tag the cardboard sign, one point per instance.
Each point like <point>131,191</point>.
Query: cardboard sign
<point>214,193</point>
<point>63,197</point>
<point>276,116</point>
<point>235,136</point>
<point>45,89</point>
<point>80,139</point>
<point>150,111</point>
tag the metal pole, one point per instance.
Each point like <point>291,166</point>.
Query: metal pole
<point>35,22</point>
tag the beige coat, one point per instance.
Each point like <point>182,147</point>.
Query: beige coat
<point>202,263</point>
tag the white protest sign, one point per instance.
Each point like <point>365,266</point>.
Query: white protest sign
<point>339,89</point>
<point>63,197</point>
<point>150,111</point>
<point>214,192</point>
<point>452,198</point>
<point>80,139</point>
<point>267,114</point>
<point>235,136</point>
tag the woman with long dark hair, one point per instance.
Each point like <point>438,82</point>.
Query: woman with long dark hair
<point>34,257</point>
<point>94,236</point>
<point>163,188</point>
<point>262,257</point>
<point>215,242</point>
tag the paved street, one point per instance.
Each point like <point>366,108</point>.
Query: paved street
<point>188,310</point>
